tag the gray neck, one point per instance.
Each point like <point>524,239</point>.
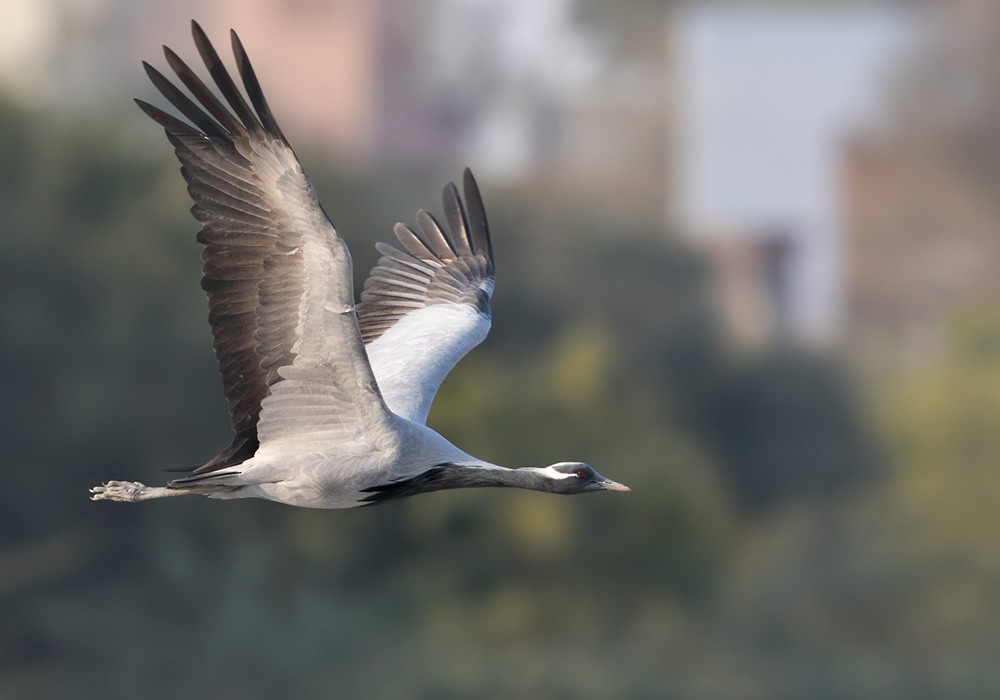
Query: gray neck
<point>457,476</point>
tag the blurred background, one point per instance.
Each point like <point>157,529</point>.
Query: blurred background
<point>748,264</point>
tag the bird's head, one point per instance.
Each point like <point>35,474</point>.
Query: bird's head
<point>577,477</point>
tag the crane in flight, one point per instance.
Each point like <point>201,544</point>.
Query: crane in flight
<point>328,399</point>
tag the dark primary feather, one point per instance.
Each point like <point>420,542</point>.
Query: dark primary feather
<point>249,243</point>
<point>223,80</point>
<point>252,86</point>
<point>433,267</point>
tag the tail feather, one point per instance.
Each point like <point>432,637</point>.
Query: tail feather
<point>181,470</point>
<point>196,478</point>
<point>242,448</point>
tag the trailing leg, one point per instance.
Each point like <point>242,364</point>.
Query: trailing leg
<point>131,492</point>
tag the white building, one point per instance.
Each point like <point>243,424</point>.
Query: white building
<point>768,98</point>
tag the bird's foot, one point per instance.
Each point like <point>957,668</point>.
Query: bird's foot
<point>123,491</point>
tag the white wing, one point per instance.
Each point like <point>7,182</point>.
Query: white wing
<point>277,274</point>
<point>423,308</point>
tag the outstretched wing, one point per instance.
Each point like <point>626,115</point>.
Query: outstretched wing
<point>424,307</point>
<point>277,275</point>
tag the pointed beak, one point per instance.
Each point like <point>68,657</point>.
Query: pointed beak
<point>609,485</point>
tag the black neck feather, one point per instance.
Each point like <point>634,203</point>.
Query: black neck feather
<point>457,476</point>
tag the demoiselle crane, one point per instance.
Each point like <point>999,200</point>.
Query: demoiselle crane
<point>328,400</point>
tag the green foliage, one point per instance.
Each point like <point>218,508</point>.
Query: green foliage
<point>942,430</point>
<point>740,566</point>
<point>786,428</point>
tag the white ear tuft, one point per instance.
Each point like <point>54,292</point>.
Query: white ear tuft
<point>552,473</point>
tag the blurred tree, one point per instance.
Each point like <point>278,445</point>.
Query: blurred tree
<point>106,327</point>
<point>942,428</point>
<point>604,349</point>
<point>786,429</point>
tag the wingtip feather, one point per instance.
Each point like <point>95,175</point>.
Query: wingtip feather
<point>479,228</point>
<point>457,220</point>
<point>223,80</point>
<point>254,91</point>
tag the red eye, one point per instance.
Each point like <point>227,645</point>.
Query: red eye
<point>581,473</point>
